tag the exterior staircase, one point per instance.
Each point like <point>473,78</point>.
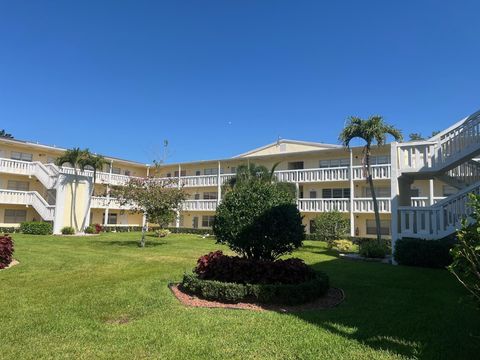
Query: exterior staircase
<point>29,198</point>
<point>448,156</point>
<point>45,173</point>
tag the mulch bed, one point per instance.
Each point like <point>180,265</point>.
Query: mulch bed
<point>13,263</point>
<point>333,298</point>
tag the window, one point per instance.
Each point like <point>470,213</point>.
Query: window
<point>313,194</point>
<point>21,156</point>
<point>212,171</point>
<point>182,173</point>
<point>414,192</point>
<point>116,170</point>
<point>195,222</point>
<point>379,192</point>
<point>378,160</point>
<point>169,174</point>
<point>18,185</point>
<point>182,220</point>
<point>338,193</point>
<point>198,173</point>
<point>207,220</point>
<point>372,227</point>
<point>112,219</point>
<point>295,165</point>
<point>312,226</point>
<point>209,195</point>
<point>197,197</point>
<point>15,216</point>
<point>334,163</point>
<point>127,172</point>
<point>233,170</point>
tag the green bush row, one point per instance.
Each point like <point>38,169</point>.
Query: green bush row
<point>424,253</point>
<point>9,230</point>
<point>284,294</point>
<point>36,228</point>
<point>183,230</point>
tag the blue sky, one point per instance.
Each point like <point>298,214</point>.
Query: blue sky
<point>217,78</point>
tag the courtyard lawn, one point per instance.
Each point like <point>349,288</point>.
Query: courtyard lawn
<point>103,297</point>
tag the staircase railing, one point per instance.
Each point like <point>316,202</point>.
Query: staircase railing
<point>439,220</point>
<point>442,150</point>
<point>31,198</point>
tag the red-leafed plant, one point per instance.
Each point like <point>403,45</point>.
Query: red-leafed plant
<point>216,266</point>
<point>6,251</point>
<point>98,228</point>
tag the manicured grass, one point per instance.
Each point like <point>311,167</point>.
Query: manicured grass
<point>103,297</point>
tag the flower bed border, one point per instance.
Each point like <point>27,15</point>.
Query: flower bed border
<point>331,299</point>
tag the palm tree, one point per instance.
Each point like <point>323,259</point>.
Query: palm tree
<point>251,171</point>
<point>4,134</point>
<point>95,162</point>
<point>73,157</point>
<point>371,130</point>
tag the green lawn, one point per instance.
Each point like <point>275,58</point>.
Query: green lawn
<point>103,297</point>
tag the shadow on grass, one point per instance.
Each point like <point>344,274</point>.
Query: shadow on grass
<point>134,243</point>
<point>411,312</point>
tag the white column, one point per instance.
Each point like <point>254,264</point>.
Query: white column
<point>352,195</point>
<point>177,219</point>
<point>105,220</point>
<point>431,199</point>
<point>394,174</point>
<point>148,171</point>
<point>219,184</point>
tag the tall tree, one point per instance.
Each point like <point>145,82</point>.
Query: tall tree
<point>73,158</point>
<point>373,131</point>
<point>4,134</point>
<point>159,201</point>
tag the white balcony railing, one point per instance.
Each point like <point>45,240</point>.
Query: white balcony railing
<point>45,173</point>
<point>28,198</point>
<point>379,172</point>
<point>199,205</point>
<point>421,201</point>
<point>101,202</point>
<point>360,205</point>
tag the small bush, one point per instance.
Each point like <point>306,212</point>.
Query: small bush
<point>373,249</point>
<point>98,228</point>
<point>424,253</point>
<point>36,228</point>
<point>184,230</point>
<point>285,294</point>
<point>343,245</point>
<point>331,226</point>
<point>6,251</point>
<point>68,230</point>
<point>90,230</point>
<point>216,266</point>
<point>259,220</point>
<point>162,232</point>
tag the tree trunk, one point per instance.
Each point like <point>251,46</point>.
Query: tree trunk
<point>142,241</point>
<point>374,196</point>
<point>74,201</point>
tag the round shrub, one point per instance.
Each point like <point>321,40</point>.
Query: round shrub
<point>373,249</point>
<point>6,251</point>
<point>343,245</point>
<point>234,269</point>
<point>284,294</point>
<point>259,220</point>
<point>68,230</point>
<point>424,253</point>
<point>90,230</point>
<point>36,228</point>
<point>162,232</point>
<point>331,226</point>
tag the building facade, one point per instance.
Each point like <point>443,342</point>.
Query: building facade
<point>421,186</point>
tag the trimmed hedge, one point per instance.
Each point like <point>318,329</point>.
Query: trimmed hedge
<point>36,228</point>
<point>9,230</point>
<point>424,253</point>
<point>184,230</point>
<point>68,230</point>
<point>235,269</point>
<point>283,294</point>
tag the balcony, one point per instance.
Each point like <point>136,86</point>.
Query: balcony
<point>360,205</point>
<point>101,202</point>
<point>45,173</point>
<point>423,201</point>
<point>199,205</point>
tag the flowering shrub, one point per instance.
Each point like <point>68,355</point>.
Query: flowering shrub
<point>216,266</point>
<point>6,251</point>
<point>98,228</point>
<point>162,232</point>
